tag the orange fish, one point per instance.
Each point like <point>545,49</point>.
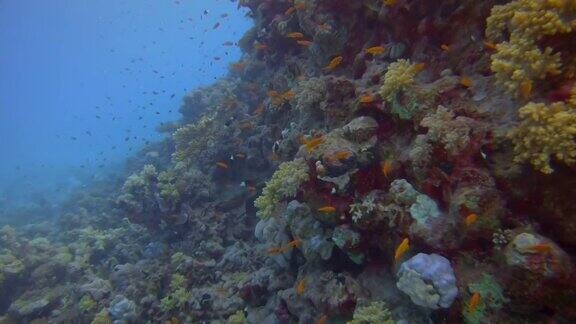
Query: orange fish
<point>470,219</point>
<point>322,319</point>
<point>312,143</point>
<point>272,93</point>
<point>295,35</point>
<point>375,50</point>
<point>473,302</point>
<point>445,47</point>
<point>389,2</point>
<point>288,95</point>
<point>304,42</point>
<point>366,99</point>
<point>289,11</point>
<point>273,250</point>
<point>341,155</point>
<point>294,243</point>
<point>386,167</point>
<point>525,89</point>
<point>245,125</point>
<point>240,155</point>
<point>466,81</point>
<point>300,5</point>
<point>327,209</point>
<point>251,188</point>
<point>419,66</point>
<point>401,249</point>
<point>260,46</point>
<point>222,164</point>
<point>540,248</point>
<point>300,285</point>
<point>238,65</point>
<point>489,45</point>
<point>334,63</point>
<point>259,109</point>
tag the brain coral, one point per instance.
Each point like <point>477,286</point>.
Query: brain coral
<point>545,131</point>
<point>284,184</point>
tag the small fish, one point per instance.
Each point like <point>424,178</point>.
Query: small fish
<point>341,155</point>
<point>294,243</point>
<point>540,248</point>
<point>322,319</point>
<point>289,11</point>
<point>295,35</point>
<point>227,43</point>
<point>273,250</point>
<point>470,219</point>
<point>222,165</point>
<point>260,46</point>
<point>419,66</point>
<point>389,2</point>
<point>288,95</point>
<point>300,286</point>
<point>375,50</point>
<point>445,47</point>
<point>466,81</point>
<point>366,99</point>
<point>259,109</point>
<point>224,15</point>
<point>237,66</point>
<point>240,156</point>
<point>489,45</point>
<point>327,209</point>
<point>334,63</point>
<point>401,249</point>
<point>525,89</point>
<point>386,167</point>
<point>305,43</point>
<point>473,302</point>
<point>216,25</point>
<point>300,6</point>
<point>245,125</point>
<point>251,189</point>
<point>312,143</point>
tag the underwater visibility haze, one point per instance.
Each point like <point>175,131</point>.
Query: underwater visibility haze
<point>287,161</point>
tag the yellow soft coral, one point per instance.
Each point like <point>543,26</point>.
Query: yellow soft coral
<point>400,75</point>
<point>518,58</point>
<point>545,131</point>
<point>572,99</point>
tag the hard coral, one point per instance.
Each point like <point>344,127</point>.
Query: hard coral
<point>284,184</point>
<point>375,313</point>
<point>545,131</point>
<point>519,58</point>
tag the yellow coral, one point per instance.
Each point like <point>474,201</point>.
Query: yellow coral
<point>572,99</point>
<point>545,131</point>
<point>193,138</point>
<point>400,75</point>
<point>519,59</point>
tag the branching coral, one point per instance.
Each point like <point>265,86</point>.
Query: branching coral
<point>400,75</point>
<point>191,139</point>
<point>168,191</point>
<point>178,295</point>
<point>375,313</point>
<point>519,60</point>
<point>284,184</point>
<point>545,131</point>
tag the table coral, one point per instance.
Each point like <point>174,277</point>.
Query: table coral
<point>284,184</point>
<point>519,60</point>
<point>545,131</point>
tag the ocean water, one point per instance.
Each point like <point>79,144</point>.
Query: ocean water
<point>287,161</point>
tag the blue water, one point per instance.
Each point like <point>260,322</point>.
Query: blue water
<point>83,83</point>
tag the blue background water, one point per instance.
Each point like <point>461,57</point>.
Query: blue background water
<point>80,77</point>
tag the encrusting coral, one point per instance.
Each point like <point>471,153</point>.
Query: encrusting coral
<point>545,132</point>
<point>283,184</point>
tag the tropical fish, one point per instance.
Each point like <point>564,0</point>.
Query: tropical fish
<point>304,42</point>
<point>260,46</point>
<point>466,81</point>
<point>222,165</point>
<point>227,43</point>
<point>525,89</point>
<point>386,167</point>
<point>375,50</point>
<point>470,219</point>
<point>295,35</point>
<point>224,15</point>
<point>259,109</point>
<point>419,66</point>
<point>288,95</point>
<point>300,285</point>
<point>366,98</point>
<point>251,188</point>
<point>334,63</point>
<point>300,5</point>
<point>312,143</point>
<point>540,248</point>
<point>327,209</point>
<point>240,155</point>
<point>273,250</point>
<point>216,25</point>
<point>341,155</point>
<point>238,65</point>
<point>294,243</point>
<point>389,2</point>
<point>445,47</point>
<point>401,249</point>
<point>473,302</point>
<point>322,319</point>
<point>489,45</point>
<point>245,125</point>
<point>289,11</point>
